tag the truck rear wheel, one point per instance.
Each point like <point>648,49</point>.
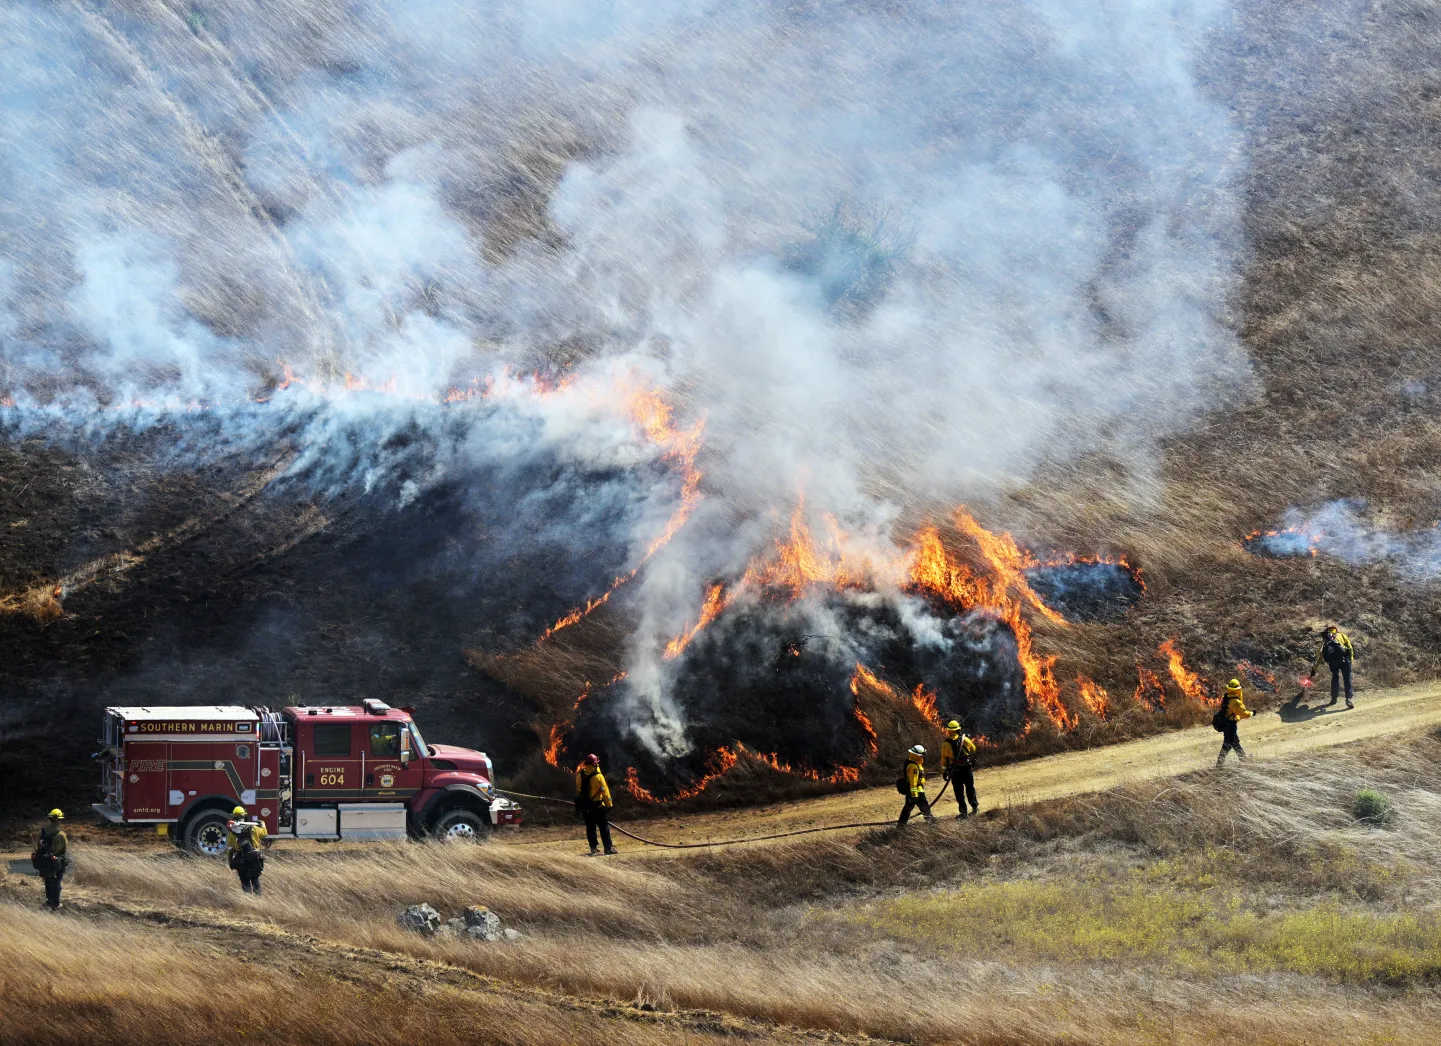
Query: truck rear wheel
<point>459,826</point>
<point>204,834</point>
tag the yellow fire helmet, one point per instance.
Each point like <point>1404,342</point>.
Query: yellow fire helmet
<point>953,725</point>
<point>1234,684</point>
<point>239,811</point>
<point>57,814</point>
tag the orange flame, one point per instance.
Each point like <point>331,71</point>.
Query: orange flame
<point>1003,593</point>
<point>1187,681</point>
<point>841,775</point>
<point>862,674</point>
<point>801,561</point>
<point>867,728</point>
<point>996,585</point>
<point>652,415</point>
<point>925,702</point>
<point>1149,691</point>
<point>560,729</point>
<point>1245,668</point>
<point>1094,696</point>
<point>719,764</point>
<point>1313,540</point>
<point>579,612</point>
<point>1007,561</point>
<point>715,602</point>
<point>552,747</point>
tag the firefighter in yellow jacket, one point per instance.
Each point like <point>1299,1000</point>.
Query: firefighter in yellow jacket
<point>50,858</point>
<point>243,840</point>
<point>915,779</point>
<point>592,800</point>
<point>1337,652</point>
<point>1233,710</point>
<point>956,752</point>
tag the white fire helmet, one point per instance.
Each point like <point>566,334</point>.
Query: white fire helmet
<point>917,750</point>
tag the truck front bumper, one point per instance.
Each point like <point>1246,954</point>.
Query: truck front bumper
<point>504,813</point>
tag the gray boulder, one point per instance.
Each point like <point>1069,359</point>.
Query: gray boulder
<point>421,918</point>
<point>482,924</point>
<point>451,928</point>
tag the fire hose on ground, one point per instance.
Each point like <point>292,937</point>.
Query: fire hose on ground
<point>723,842</point>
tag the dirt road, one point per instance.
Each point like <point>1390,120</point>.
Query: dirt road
<point>1296,727</point>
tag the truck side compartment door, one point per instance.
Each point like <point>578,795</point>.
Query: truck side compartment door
<point>200,768</point>
<point>267,788</point>
<point>331,762</point>
<point>144,779</point>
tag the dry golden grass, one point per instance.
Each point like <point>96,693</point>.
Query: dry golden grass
<point>103,981</point>
<point>1313,918</point>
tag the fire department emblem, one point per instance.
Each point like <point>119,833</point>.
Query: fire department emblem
<point>220,764</point>
<point>134,778</point>
<point>387,780</point>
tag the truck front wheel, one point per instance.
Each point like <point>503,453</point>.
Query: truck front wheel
<point>204,834</point>
<point>459,826</point>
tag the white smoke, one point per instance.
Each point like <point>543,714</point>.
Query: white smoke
<point>889,253</point>
<point>1341,529</point>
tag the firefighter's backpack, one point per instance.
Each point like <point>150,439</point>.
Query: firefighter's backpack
<point>45,862</point>
<point>246,856</point>
<point>902,785</point>
<point>1218,721</point>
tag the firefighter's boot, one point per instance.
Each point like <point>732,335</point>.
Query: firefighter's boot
<point>611,851</point>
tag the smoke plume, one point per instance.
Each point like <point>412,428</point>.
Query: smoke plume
<point>879,256</point>
<point>1342,529</point>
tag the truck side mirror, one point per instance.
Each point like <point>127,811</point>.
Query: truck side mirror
<point>405,748</point>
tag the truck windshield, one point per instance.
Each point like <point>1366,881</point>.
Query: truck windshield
<point>419,741</point>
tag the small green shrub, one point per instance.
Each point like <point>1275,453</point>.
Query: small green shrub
<point>1373,807</point>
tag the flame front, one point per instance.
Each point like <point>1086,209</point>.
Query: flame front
<point>720,763</point>
<point>1149,691</point>
<point>715,602</point>
<point>681,447</point>
<point>1188,682</point>
<point>925,702</point>
<point>1094,697</point>
<point>992,581</point>
<point>1003,592</point>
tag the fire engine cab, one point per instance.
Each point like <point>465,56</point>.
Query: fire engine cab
<point>308,772</point>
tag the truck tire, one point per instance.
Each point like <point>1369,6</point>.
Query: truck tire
<point>459,826</point>
<point>204,833</point>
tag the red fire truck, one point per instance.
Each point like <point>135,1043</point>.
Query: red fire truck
<point>307,772</point>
